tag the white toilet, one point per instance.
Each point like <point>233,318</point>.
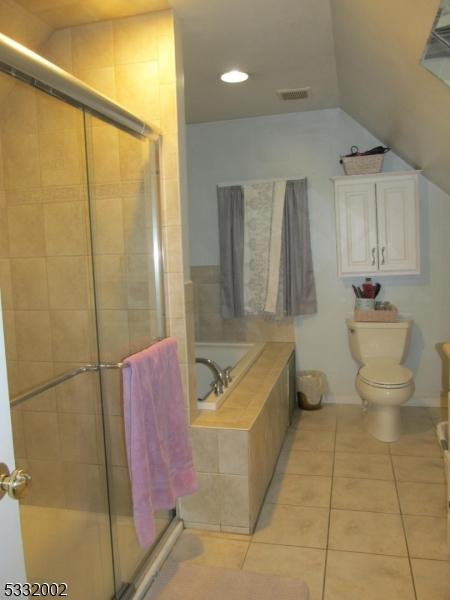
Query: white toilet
<point>382,383</point>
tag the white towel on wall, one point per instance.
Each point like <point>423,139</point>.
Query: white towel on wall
<point>275,246</point>
<point>263,220</point>
<point>257,224</point>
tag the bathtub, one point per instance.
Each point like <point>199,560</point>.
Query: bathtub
<point>240,356</point>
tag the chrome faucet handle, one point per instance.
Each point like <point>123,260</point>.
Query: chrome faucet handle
<point>227,373</point>
<point>217,387</point>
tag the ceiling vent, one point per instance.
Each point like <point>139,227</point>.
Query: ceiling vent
<point>295,94</point>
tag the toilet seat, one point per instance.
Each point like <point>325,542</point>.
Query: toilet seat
<point>385,375</point>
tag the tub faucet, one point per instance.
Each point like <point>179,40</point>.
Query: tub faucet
<point>221,380</point>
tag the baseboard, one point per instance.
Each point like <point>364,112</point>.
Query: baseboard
<point>428,401</point>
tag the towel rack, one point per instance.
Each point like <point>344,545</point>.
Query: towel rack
<point>65,376</point>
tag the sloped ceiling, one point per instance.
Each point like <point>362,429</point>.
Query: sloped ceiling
<point>383,86</point>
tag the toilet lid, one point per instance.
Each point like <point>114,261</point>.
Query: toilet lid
<point>385,373</point>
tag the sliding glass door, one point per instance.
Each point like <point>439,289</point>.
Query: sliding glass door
<point>80,291</point>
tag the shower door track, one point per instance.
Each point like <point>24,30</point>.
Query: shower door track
<point>64,377</point>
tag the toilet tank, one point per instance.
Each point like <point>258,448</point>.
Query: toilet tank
<point>387,341</point>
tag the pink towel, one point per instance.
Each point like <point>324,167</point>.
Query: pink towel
<point>156,432</point>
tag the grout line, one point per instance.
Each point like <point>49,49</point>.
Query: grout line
<point>404,531</point>
<point>329,517</point>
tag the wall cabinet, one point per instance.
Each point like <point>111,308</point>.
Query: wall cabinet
<point>377,224</point>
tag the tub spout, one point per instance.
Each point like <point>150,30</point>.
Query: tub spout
<point>221,380</point>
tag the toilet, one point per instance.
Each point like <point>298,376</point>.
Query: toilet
<point>382,382</point>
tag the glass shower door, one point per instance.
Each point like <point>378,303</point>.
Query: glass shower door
<point>50,332</point>
<point>123,208</point>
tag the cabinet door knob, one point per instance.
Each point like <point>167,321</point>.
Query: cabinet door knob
<point>373,257</point>
<point>383,259</point>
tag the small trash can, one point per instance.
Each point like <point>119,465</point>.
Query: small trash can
<point>311,385</point>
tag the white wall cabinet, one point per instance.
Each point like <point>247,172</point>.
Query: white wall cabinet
<point>377,224</point>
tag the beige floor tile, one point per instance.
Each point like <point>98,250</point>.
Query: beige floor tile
<point>364,494</point>
<point>350,418</point>
<point>422,498</point>
<point>314,420</point>
<point>352,576</point>
<point>367,466</point>
<point>289,561</point>
<point>438,413</point>
<point>418,468</point>
<point>200,547</point>
<point>304,462</point>
<point>359,531</point>
<point>432,579</point>
<point>427,537</point>
<point>417,444</point>
<point>360,442</point>
<point>300,439</point>
<point>299,490</point>
<point>292,526</point>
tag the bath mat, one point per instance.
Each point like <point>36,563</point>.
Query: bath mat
<point>188,581</point>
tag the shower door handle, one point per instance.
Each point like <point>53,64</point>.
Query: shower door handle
<point>14,484</point>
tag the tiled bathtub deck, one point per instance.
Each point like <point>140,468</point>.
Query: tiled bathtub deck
<point>356,518</point>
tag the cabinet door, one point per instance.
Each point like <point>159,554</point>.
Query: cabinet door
<point>398,234</point>
<point>356,228</point>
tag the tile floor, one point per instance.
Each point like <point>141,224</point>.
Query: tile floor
<point>356,518</point>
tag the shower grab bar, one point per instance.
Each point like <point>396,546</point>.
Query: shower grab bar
<point>62,378</point>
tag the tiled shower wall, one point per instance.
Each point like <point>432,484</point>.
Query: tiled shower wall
<point>45,272</point>
<point>211,327</point>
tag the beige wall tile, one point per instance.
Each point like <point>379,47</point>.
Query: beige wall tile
<point>18,434</point>
<point>111,281</point>
<point>175,294</point>
<point>42,440</point>
<point>55,116</point>
<point>21,162</point>
<point>138,89</point>
<point>142,328</point>
<point>205,449</point>
<point>135,39</point>
<point>66,229</point>
<point>85,487</point>
<point>170,203</point>
<point>29,282</point>
<point>48,487</point>
<point>137,224</point>
<point>78,438</point>
<point>30,374</point>
<point>19,113</point>
<point>92,46</point>
<point>233,451</point>
<point>133,154</point>
<point>107,230</point>
<point>79,394</point>
<point>4,237</point>
<point>61,161</point>
<point>73,336</point>
<point>234,501</point>
<point>103,79</point>
<point>173,258</point>
<point>9,331</point>
<point>116,442</point>
<point>204,505</point>
<point>6,284</point>
<point>140,281</point>
<point>166,57</point>
<point>33,335</point>
<point>103,149</point>
<point>26,231</point>
<point>68,282</point>
<point>58,48</point>
<point>114,335</point>
<point>120,492</point>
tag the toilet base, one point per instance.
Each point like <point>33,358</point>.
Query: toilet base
<point>384,422</point>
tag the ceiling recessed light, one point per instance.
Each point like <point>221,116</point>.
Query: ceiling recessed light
<point>234,77</point>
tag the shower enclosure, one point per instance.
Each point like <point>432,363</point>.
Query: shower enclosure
<point>80,277</point>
